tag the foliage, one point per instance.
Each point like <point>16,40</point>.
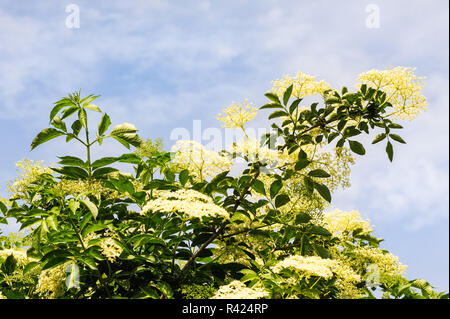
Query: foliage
<point>182,226</point>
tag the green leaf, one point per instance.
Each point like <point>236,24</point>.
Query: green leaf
<point>59,124</point>
<point>71,161</point>
<point>301,164</point>
<point>302,155</point>
<point>30,266</point>
<point>55,261</point>
<point>294,105</point>
<point>277,114</point>
<point>357,147</point>
<point>390,151</point>
<point>271,106</point>
<point>319,230</point>
<point>340,143</point>
<point>44,136</point>
<point>72,171</point>
<point>104,161</point>
<point>9,265</point>
<point>88,99</point>
<point>76,127</point>
<point>165,289</point>
<point>318,173</point>
<point>219,177</point>
<point>51,222</point>
<point>379,138</point>
<point>323,191</point>
<point>58,107</point>
<point>258,186</point>
<point>281,200</point>
<point>104,124</point>
<point>123,128</point>
<point>69,111</point>
<point>74,205</point>
<point>350,131</point>
<point>397,138</point>
<point>332,100</point>
<point>302,218</point>
<point>150,292</point>
<point>82,117</point>
<point>273,97</point>
<point>275,188</point>
<point>287,94</point>
<point>395,126</point>
<point>183,177</point>
<point>91,206</point>
<point>93,107</point>
<point>322,251</point>
<point>125,133</point>
<point>332,136</point>
<point>130,158</point>
<point>122,141</point>
<point>101,172</point>
<point>29,222</point>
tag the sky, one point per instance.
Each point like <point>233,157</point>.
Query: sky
<point>163,64</point>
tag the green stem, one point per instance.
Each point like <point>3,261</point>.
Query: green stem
<point>77,232</point>
<point>88,151</point>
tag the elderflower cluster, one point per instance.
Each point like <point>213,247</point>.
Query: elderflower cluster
<point>252,149</point>
<point>192,203</point>
<point>51,282</point>
<point>341,223</point>
<point>346,280</point>
<point>200,162</point>
<point>29,171</point>
<point>238,290</point>
<point>68,187</point>
<point>235,115</point>
<point>19,255</point>
<point>402,87</point>
<point>307,266</point>
<point>303,85</point>
<point>387,262</point>
<point>110,249</point>
<point>346,277</point>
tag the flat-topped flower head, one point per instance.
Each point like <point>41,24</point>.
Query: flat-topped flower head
<point>192,203</point>
<point>238,290</point>
<point>303,85</point>
<point>200,162</point>
<point>307,266</point>
<point>341,223</point>
<point>402,87</point>
<point>236,115</point>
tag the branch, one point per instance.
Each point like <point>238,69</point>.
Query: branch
<point>222,228</point>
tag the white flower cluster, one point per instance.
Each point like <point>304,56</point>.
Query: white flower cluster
<point>110,249</point>
<point>341,223</point>
<point>200,162</point>
<point>192,203</point>
<point>252,149</point>
<point>307,266</point>
<point>19,255</point>
<point>51,282</point>
<point>238,290</point>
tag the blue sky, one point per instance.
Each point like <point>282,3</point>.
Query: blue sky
<point>163,64</point>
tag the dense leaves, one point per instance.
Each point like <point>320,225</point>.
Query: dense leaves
<point>166,232</point>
